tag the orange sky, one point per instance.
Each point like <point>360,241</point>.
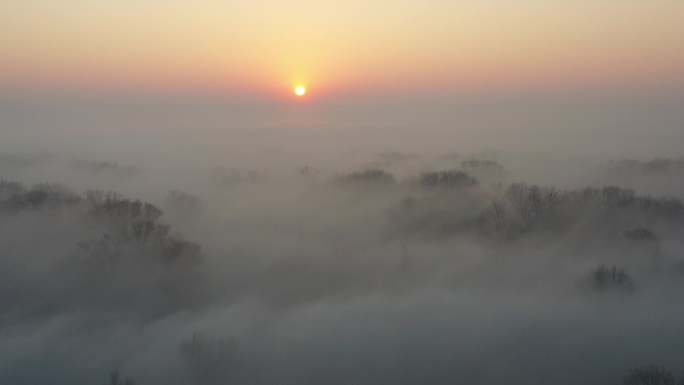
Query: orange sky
<point>268,46</point>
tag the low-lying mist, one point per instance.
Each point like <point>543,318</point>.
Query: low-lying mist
<point>291,254</point>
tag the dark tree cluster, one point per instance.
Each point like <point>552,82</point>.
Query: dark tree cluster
<point>652,375</point>
<point>110,169</point>
<point>482,166</point>
<point>612,197</point>
<point>131,227</point>
<point>115,379</point>
<point>640,234</point>
<point>368,177</point>
<point>447,179</point>
<point>15,197</point>
<point>533,204</point>
<point>309,172</point>
<point>132,263</point>
<point>396,157</point>
<point>208,358</point>
<point>10,189</point>
<point>632,166</point>
<point>611,279</point>
<point>607,197</point>
<point>548,208</point>
<point>183,205</point>
<point>507,214</point>
<point>10,161</point>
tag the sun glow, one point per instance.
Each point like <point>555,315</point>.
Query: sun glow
<point>300,90</point>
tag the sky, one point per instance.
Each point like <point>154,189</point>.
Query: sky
<point>263,48</point>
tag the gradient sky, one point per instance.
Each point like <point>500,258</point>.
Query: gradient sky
<point>267,46</point>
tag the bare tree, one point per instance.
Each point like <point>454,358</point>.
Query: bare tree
<point>533,203</point>
<point>115,379</point>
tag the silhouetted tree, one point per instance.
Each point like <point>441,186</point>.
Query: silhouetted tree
<point>494,216</point>
<point>533,203</point>
<point>39,196</point>
<point>115,379</point>
<point>309,172</point>
<point>613,278</point>
<point>207,358</point>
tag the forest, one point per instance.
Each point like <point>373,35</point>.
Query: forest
<point>408,268</point>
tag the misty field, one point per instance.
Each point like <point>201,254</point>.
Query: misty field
<point>361,268</point>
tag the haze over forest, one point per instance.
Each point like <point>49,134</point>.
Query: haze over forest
<point>471,193</point>
<point>530,242</point>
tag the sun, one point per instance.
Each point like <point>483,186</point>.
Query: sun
<point>300,90</point>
